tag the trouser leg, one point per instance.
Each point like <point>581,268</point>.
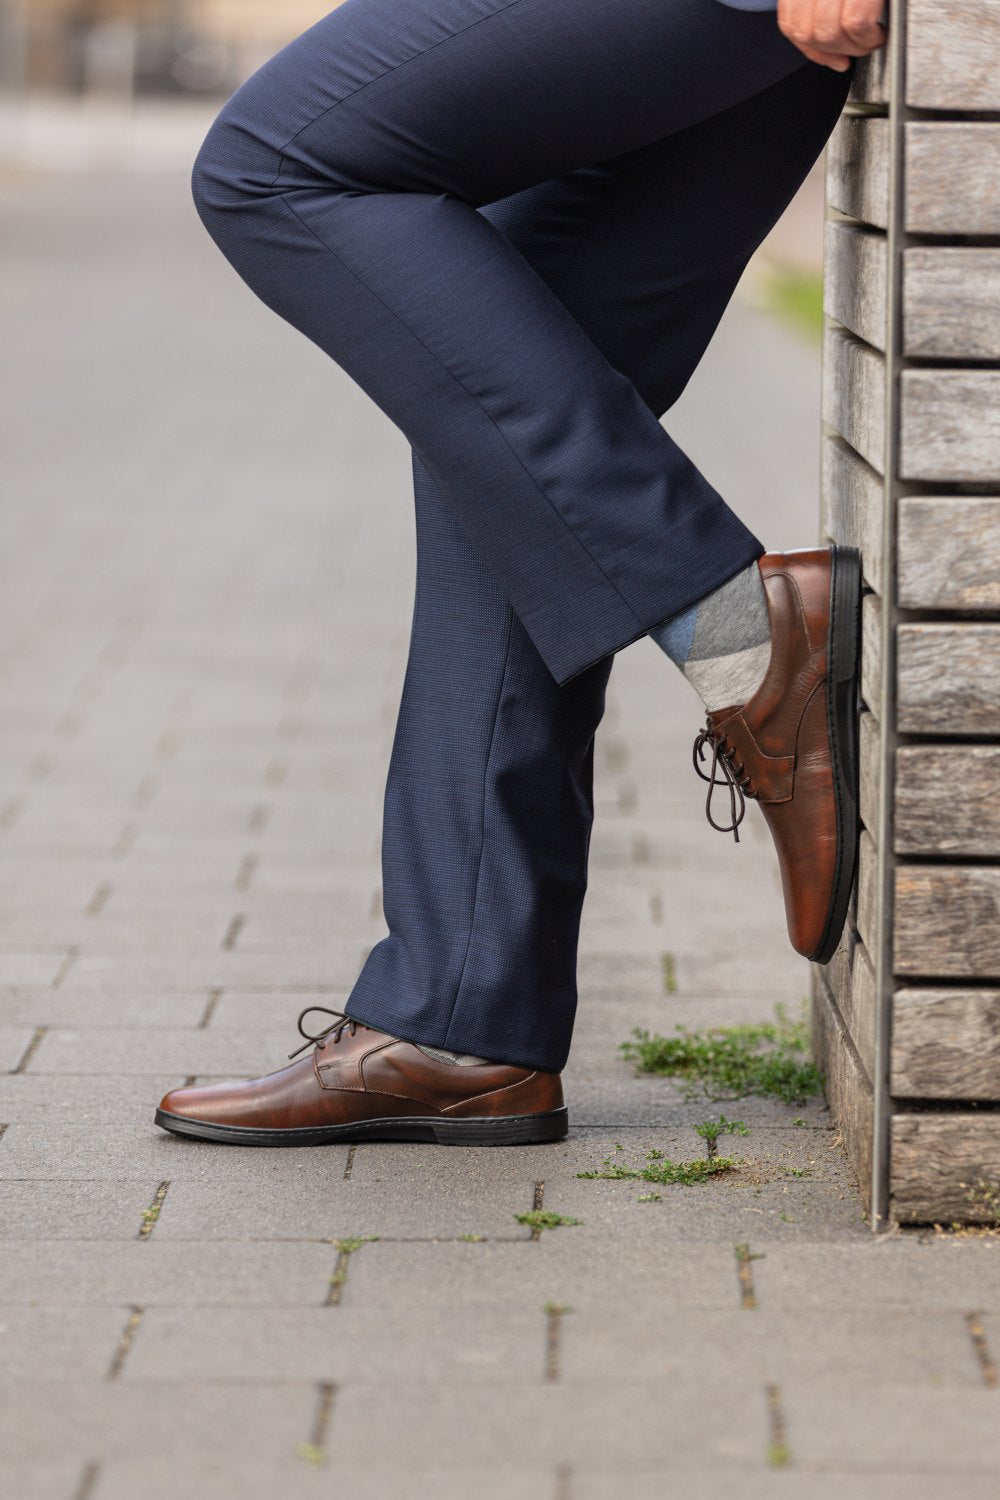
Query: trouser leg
<point>488,804</point>
<point>343,182</point>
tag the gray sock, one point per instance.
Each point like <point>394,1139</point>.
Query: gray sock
<point>723,642</point>
<point>463,1059</point>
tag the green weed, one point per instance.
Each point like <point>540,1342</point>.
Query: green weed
<point>769,1058</point>
<point>545,1218</point>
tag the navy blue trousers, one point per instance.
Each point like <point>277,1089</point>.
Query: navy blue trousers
<point>516,224</point>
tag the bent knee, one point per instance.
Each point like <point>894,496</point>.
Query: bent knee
<point>233,167</point>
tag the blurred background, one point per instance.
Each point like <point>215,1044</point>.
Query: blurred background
<point>99,83</point>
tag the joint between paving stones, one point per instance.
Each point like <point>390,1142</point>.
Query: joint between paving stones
<point>125,1342</point>
<point>981,1349</point>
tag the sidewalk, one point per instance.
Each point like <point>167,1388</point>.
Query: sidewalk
<point>206,547</point>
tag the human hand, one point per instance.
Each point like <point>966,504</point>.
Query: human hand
<point>831,32</point>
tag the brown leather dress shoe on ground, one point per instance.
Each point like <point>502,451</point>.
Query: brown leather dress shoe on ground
<point>362,1085</point>
<point>793,746</point>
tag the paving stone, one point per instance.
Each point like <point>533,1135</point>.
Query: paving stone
<point>898,1272</point>
<point>925,1350</point>
<point>791,1483</point>
<point>31,968</point>
<point>56,1343</point>
<point>395,1208</point>
<point>69,1008</point>
<point>33,1211</point>
<point>80,1100</point>
<point>558,1268</point>
<point>84,1273</point>
<point>231,1053</point>
<point>948,1432</point>
<point>149,1422</point>
<point>14,1041</point>
<point>224,1477</point>
<point>57,1479</point>
<point>553,1423</point>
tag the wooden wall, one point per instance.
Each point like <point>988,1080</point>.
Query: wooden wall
<point>907,1013</point>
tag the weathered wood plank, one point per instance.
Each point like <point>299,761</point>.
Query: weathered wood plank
<point>951,301</point>
<point>867,890</point>
<point>855,279</point>
<point>857,168</point>
<point>850,982</point>
<point>937,1162</point>
<point>949,551</point>
<point>852,505</point>
<point>951,54</point>
<point>869,778</point>
<point>871,651</point>
<point>870,83</point>
<point>854,393</point>
<point>949,424</point>
<point>952,173</point>
<point>947,921</point>
<point>948,679</point>
<point>946,1044</point>
<point>848,1091</point>
<point>947,800</point>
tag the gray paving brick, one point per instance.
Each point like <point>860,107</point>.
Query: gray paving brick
<point>555,1423</point>
<point>777,1484</point>
<point>39,1098</point>
<point>120,1052</point>
<point>225,1477</point>
<point>927,1351</point>
<point>149,1422</point>
<point>32,1211</point>
<point>944,1432</point>
<point>57,1343</point>
<point>30,968</point>
<point>560,1268</point>
<point>84,1273</point>
<point>900,1273</point>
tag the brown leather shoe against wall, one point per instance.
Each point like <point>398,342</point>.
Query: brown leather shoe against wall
<point>793,746</point>
<point>359,1084</point>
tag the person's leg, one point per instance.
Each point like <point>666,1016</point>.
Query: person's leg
<point>488,804</point>
<point>342,181</point>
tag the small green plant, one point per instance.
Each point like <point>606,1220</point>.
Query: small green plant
<point>472,1239</point>
<point>311,1454</point>
<point>769,1058</point>
<point>660,1169</point>
<point>798,1120</point>
<point>348,1247</point>
<point>649,1198</point>
<point>545,1218</point>
<point>778,1455</point>
<point>710,1130</point>
<point>150,1215</point>
<point>799,1171</point>
<point>556,1309</point>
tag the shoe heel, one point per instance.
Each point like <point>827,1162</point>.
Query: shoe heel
<point>509,1130</point>
<point>843,647</point>
<point>845,614</point>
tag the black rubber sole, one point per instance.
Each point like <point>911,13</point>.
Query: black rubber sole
<point>843,647</point>
<point>505,1130</point>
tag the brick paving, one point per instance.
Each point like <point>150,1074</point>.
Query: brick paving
<point>207,552</point>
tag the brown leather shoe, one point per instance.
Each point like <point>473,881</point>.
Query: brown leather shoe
<point>793,747</point>
<point>361,1085</point>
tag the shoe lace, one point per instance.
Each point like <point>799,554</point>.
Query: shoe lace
<point>724,771</point>
<point>334,1031</point>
